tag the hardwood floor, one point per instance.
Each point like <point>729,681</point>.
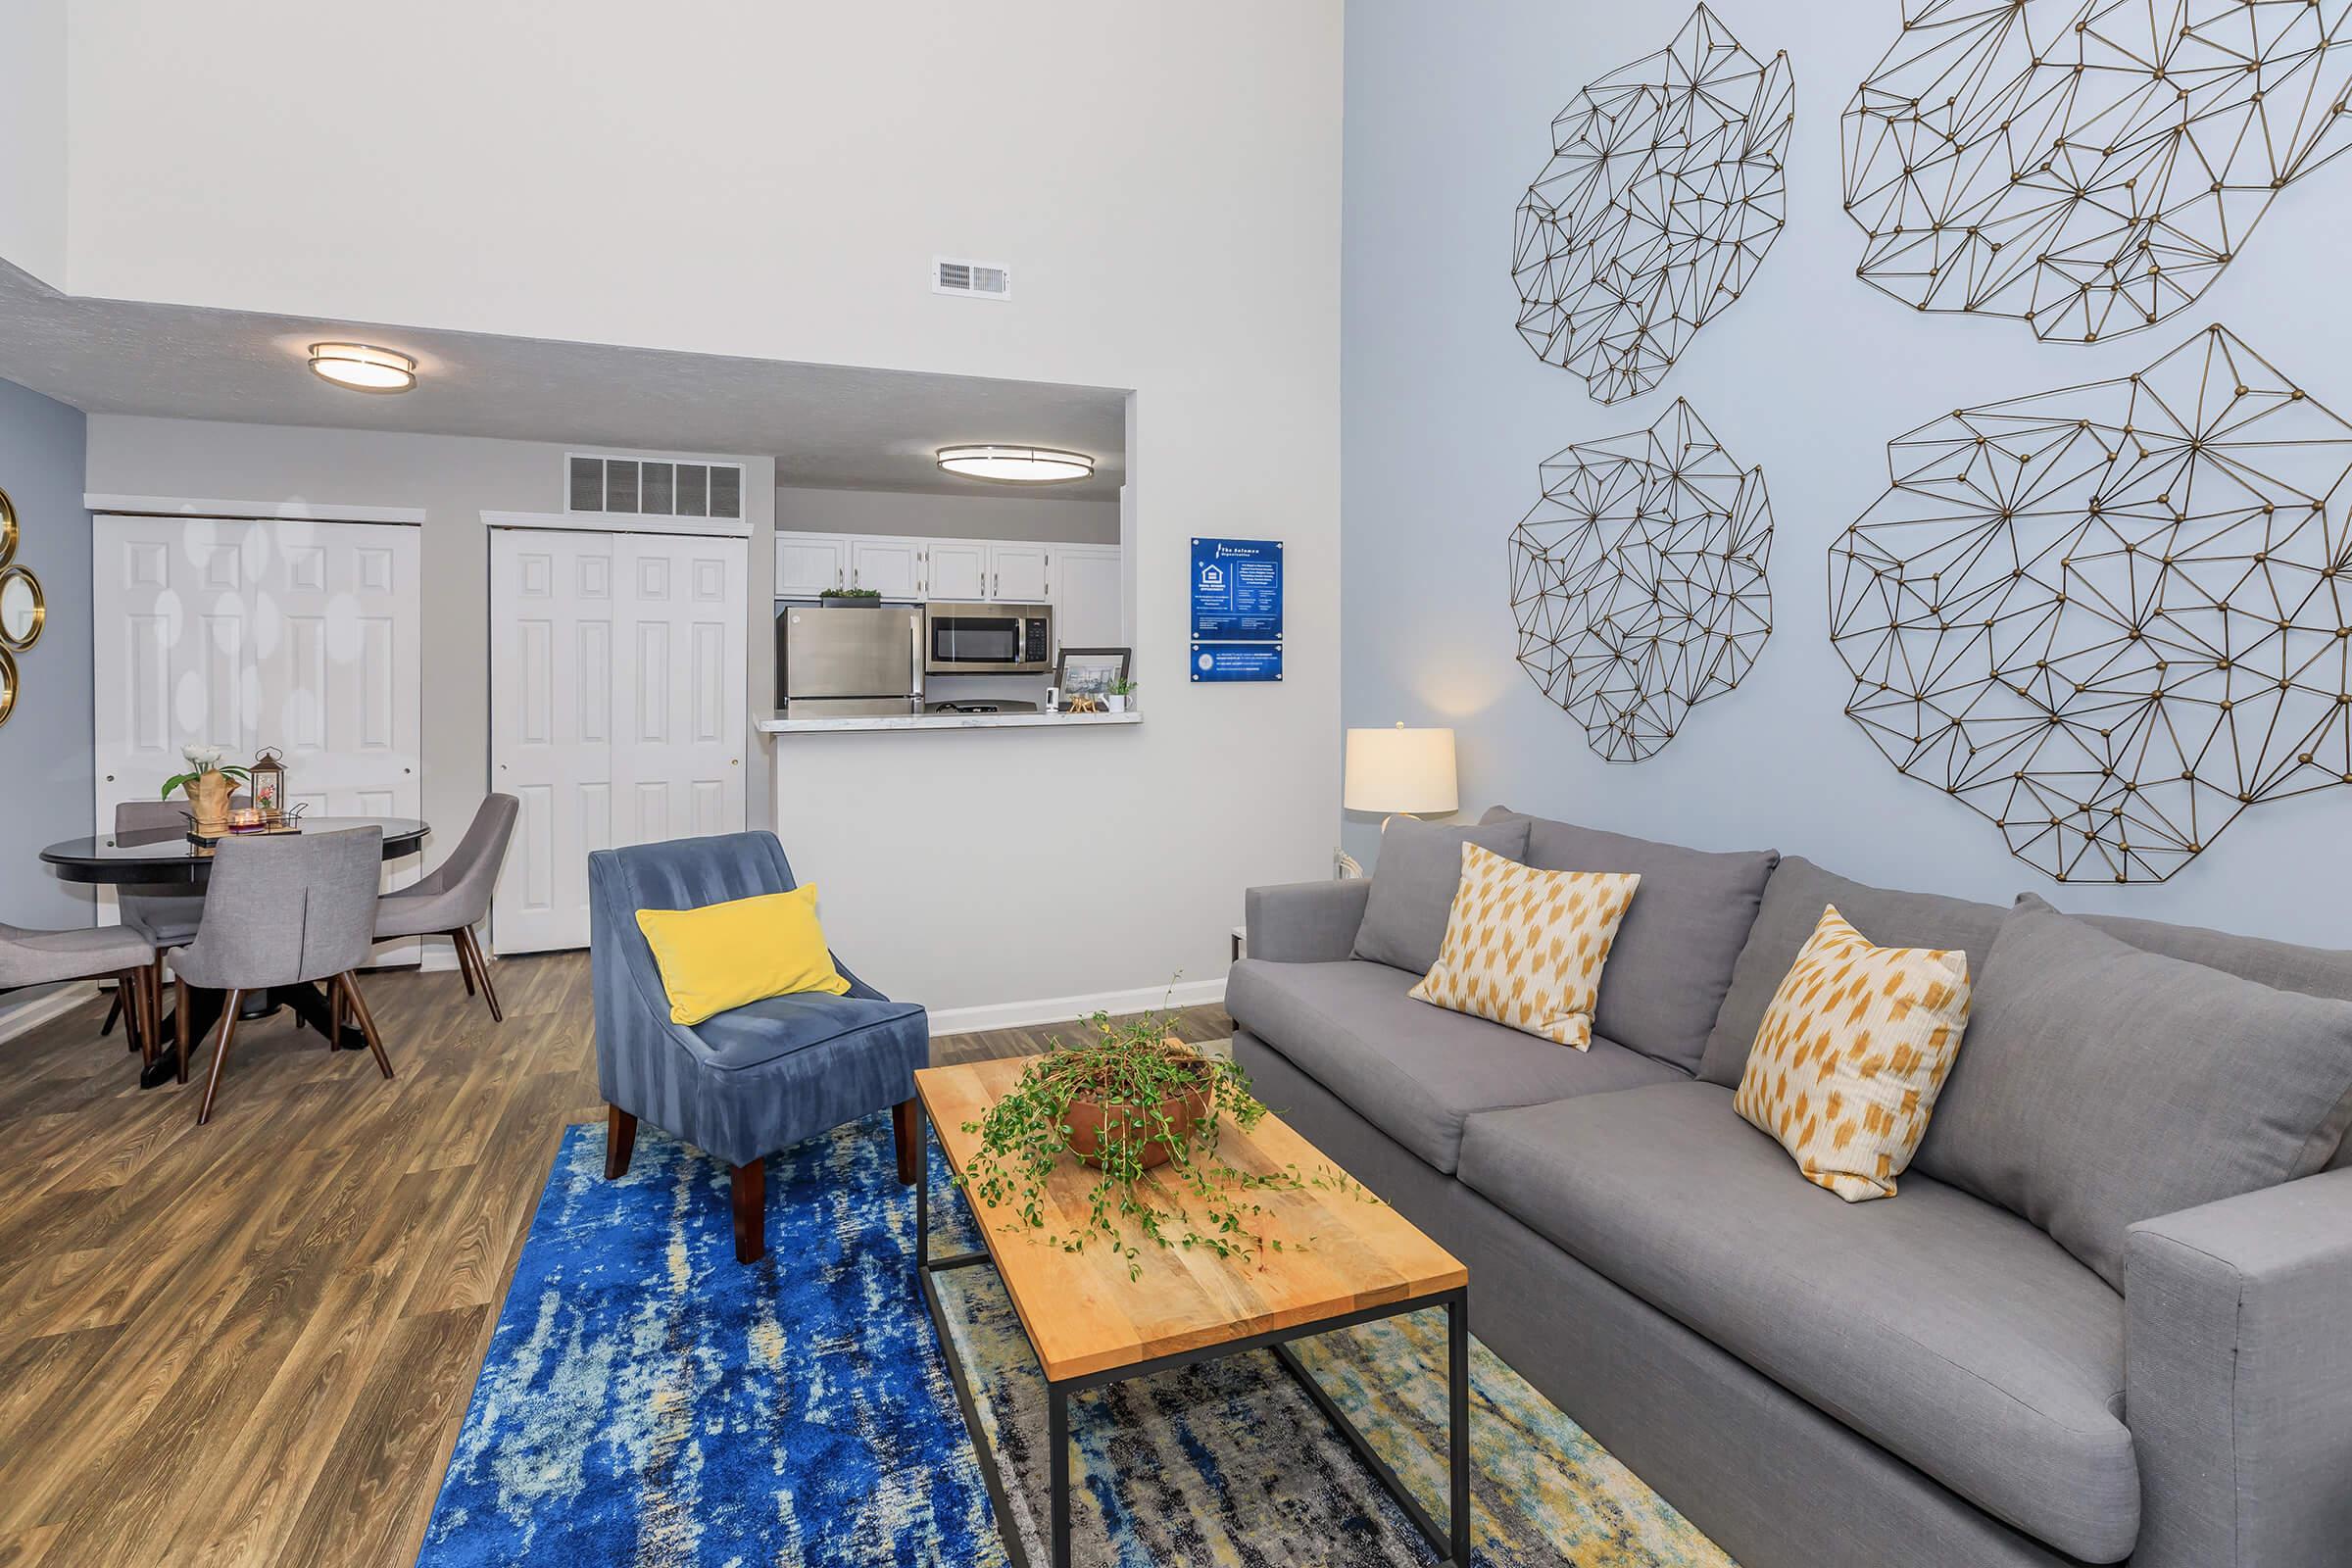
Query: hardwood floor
<point>252,1343</point>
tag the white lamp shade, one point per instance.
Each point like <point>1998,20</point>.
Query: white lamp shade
<point>1400,771</point>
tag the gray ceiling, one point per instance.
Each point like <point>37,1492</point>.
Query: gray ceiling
<point>825,425</point>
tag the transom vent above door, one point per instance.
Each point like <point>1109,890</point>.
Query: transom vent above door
<point>653,487</point>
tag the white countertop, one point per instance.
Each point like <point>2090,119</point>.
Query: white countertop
<point>863,722</point>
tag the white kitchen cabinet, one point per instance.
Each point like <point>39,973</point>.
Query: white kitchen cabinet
<point>1089,596</point>
<point>955,568</point>
<point>1017,573</point>
<point>892,567</point>
<point>809,563</point>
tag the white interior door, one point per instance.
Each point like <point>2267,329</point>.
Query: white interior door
<point>239,633</point>
<point>552,619</point>
<point>618,707</point>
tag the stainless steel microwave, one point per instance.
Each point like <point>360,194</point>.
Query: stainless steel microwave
<point>976,639</point>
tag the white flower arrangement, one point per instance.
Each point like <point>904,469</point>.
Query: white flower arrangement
<point>201,761</point>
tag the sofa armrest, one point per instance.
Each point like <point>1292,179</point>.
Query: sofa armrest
<point>2237,1378</point>
<point>1306,922</point>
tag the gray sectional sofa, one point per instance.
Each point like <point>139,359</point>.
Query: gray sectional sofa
<point>1931,1378</point>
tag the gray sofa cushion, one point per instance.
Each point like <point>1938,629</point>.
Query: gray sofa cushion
<point>1413,883</point>
<point>2100,1085</point>
<point>1412,1070</point>
<point>1672,960</point>
<point>1794,901</point>
<point>2313,971</point>
<point>1955,1334</point>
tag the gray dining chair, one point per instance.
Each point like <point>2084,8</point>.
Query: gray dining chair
<point>89,952</point>
<point>453,898</point>
<point>283,911</point>
<point>166,916</point>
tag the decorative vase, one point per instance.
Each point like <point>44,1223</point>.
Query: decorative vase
<point>1119,704</point>
<point>208,800</point>
<point>1095,1123</point>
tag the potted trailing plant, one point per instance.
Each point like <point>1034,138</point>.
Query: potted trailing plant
<point>208,788</point>
<point>1132,1101</point>
<point>850,599</point>
<point>1118,693</point>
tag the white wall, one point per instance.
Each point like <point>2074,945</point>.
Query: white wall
<point>1173,226</point>
<point>453,480</point>
<point>1809,374</point>
<point>804,510</point>
<point>33,137</point>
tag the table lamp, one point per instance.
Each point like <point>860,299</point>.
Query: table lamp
<point>1399,771</point>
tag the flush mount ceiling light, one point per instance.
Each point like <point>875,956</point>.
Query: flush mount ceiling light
<point>1017,465</point>
<point>363,368</point>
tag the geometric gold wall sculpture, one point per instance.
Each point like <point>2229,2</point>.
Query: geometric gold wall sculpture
<point>1638,582</point>
<point>1663,193</point>
<point>2086,165</point>
<point>2110,618</point>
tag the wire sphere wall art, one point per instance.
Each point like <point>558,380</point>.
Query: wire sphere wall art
<point>2110,618</point>
<point>2088,166</point>
<point>1663,193</point>
<point>1639,580</point>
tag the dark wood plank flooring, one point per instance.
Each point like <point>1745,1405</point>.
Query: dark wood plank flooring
<point>252,1343</point>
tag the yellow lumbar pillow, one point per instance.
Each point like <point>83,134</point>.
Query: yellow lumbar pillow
<point>1851,1055</point>
<point>723,955</point>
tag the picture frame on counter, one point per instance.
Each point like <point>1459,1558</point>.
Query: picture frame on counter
<point>1090,671</point>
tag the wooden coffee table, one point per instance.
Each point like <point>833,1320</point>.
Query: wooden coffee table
<point>1091,1324</point>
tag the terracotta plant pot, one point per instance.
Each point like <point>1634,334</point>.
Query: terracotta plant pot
<point>1093,1124</point>
<point>207,801</point>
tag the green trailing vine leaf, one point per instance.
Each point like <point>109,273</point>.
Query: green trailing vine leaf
<point>1135,1072</point>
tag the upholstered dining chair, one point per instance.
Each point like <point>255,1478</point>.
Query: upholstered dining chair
<point>454,897</point>
<point>283,911</point>
<point>90,953</point>
<point>745,1083</point>
<point>166,916</point>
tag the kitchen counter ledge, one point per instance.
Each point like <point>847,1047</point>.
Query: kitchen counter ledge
<point>867,722</point>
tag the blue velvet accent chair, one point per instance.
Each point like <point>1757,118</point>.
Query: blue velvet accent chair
<point>745,1083</point>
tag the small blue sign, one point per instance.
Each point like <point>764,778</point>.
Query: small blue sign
<point>1237,590</point>
<point>1237,661</point>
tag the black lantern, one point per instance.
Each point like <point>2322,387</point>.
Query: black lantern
<point>269,781</point>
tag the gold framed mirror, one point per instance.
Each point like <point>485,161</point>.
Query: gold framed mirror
<point>8,684</point>
<point>24,611</point>
<point>8,528</point>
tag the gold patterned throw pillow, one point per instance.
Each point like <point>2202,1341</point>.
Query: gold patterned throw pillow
<point>1525,947</point>
<point>1851,1055</point>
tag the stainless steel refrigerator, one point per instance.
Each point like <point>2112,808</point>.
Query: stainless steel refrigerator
<point>835,663</point>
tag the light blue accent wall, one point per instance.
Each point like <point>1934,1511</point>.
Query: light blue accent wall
<point>46,787</point>
<point>1447,414</point>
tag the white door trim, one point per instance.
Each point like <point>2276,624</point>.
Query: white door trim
<point>619,522</point>
<point>267,511</point>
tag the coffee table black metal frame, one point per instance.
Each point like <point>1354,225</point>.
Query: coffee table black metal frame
<point>1451,1541</point>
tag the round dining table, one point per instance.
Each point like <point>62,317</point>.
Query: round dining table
<point>163,858</point>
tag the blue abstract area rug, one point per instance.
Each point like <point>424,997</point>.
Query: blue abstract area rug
<point>648,1400</point>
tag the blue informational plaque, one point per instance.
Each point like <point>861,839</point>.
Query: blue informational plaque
<point>1237,661</point>
<point>1237,590</point>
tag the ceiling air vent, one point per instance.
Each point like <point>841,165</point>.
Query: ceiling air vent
<point>979,281</point>
<point>653,487</point>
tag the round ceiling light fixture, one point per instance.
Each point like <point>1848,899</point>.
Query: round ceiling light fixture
<point>1017,465</point>
<point>363,368</point>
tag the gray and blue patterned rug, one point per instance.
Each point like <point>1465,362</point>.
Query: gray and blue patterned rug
<point>648,1400</point>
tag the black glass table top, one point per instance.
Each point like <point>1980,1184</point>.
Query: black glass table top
<point>164,854</point>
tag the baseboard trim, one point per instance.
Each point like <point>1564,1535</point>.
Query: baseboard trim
<point>1061,1009</point>
<point>24,1017</point>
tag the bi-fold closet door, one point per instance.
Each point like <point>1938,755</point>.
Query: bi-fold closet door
<point>243,633</point>
<point>618,709</point>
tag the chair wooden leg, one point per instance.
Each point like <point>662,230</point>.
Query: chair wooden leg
<point>113,1010</point>
<point>481,972</point>
<point>751,1211</point>
<point>907,1131</point>
<point>130,994</point>
<point>457,941</point>
<point>359,1006</point>
<point>151,994</point>
<point>621,1141</point>
<point>179,1024</point>
<point>229,1032</point>
<point>338,1013</point>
